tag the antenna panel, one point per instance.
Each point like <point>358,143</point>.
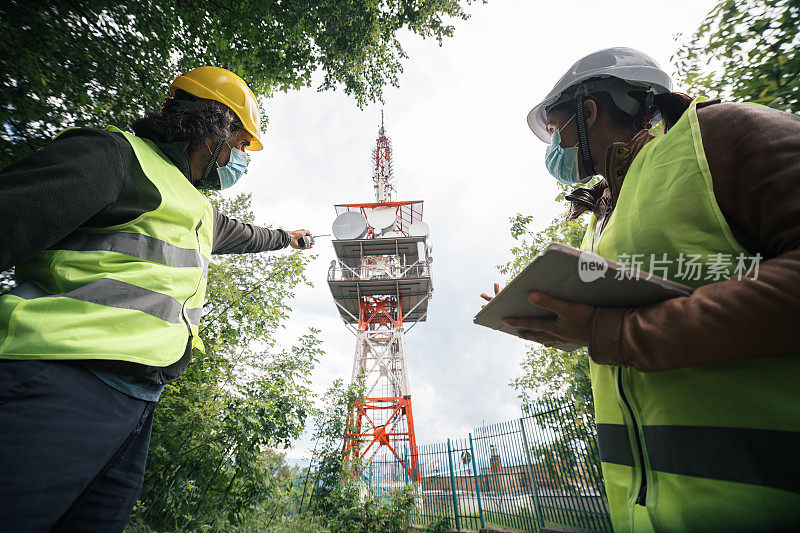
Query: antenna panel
<point>419,228</point>
<point>381,218</point>
<point>350,225</point>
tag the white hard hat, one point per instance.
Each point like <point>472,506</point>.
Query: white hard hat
<point>632,66</point>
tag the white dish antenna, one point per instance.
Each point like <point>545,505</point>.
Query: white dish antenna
<point>350,225</point>
<point>391,235</point>
<point>419,229</point>
<point>381,218</point>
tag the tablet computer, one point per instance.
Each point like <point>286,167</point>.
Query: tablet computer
<point>569,274</point>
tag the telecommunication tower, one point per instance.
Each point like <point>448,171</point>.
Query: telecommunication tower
<point>381,284</point>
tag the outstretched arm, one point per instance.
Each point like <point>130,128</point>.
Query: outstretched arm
<point>234,237</point>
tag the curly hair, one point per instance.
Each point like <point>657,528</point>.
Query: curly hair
<point>186,118</point>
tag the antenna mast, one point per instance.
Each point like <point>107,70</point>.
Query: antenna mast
<point>382,166</point>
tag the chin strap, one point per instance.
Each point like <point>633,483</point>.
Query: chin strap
<point>209,179</point>
<point>583,138</point>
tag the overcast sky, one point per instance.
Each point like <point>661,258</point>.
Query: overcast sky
<point>461,144</point>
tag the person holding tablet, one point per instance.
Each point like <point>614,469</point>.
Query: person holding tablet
<point>696,398</point>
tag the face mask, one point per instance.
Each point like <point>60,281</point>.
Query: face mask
<point>230,173</point>
<point>562,163</point>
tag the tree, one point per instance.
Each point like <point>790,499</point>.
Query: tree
<point>89,63</point>
<point>548,371</point>
<point>745,50</point>
<point>212,461</point>
<point>329,472</point>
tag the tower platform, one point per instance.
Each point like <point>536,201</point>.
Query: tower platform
<point>381,267</point>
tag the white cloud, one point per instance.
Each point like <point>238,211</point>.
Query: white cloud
<point>462,145</point>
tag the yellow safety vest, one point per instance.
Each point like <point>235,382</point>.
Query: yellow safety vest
<point>712,448</point>
<point>131,292</point>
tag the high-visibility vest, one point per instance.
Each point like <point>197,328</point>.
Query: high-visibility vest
<point>131,292</point>
<point>717,448</point>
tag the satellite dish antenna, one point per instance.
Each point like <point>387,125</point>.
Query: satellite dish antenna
<point>419,229</point>
<point>350,225</point>
<point>381,218</point>
<point>391,234</point>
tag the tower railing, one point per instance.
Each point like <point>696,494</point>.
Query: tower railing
<point>345,273</point>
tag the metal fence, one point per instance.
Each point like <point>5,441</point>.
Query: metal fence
<point>541,469</point>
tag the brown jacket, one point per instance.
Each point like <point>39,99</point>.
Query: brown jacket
<point>754,157</point>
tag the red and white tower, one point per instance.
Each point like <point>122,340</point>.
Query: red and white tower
<point>381,284</point>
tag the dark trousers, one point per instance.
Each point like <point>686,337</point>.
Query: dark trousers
<point>72,449</point>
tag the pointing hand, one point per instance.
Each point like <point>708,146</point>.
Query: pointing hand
<point>295,236</point>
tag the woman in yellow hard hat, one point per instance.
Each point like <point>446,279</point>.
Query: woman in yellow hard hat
<point>216,112</point>
<point>111,241</point>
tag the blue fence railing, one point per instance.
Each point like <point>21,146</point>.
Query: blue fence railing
<point>541,469</point>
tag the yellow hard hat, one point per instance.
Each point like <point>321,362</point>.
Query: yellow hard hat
<point>214,83</point>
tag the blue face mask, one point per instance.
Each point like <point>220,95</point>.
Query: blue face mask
<point>230,173</point>
<point>562,163</point>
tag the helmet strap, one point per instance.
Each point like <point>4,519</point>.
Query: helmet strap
<point>583,137</point>
<point>209,179</point>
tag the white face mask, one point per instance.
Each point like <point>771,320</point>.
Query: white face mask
<point>562,163</point>
<point>234,170</point>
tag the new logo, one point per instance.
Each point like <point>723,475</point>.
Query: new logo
<point>591,267</point>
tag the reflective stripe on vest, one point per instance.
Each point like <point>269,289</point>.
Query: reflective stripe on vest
<point>744,455</point>
<point>716,446</point>
<point>131,292</point>
<point>114,293</point>
<point>135,245</point>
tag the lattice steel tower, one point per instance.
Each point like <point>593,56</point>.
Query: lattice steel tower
<point>381,284</point>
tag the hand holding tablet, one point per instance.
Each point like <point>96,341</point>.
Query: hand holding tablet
<point>565,275</point>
